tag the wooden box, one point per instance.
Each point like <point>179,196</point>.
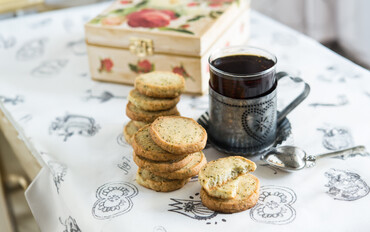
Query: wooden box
<point>139,36</point>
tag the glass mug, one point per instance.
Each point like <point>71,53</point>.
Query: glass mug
<point>242,109</point>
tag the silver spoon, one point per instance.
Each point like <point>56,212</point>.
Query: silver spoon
<point>290,158</point>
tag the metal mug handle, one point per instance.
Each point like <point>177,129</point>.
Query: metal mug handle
<point>297,100</point>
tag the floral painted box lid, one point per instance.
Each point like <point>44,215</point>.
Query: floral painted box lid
<point>187,27</point>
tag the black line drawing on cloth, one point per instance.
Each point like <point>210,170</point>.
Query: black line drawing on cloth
<point>85,74</point>
<point>32,49</point>
<point>41,23</point>
<point>103,97</point>
<point>114,199</point>
<point>192,208</point>
<point>7,42</point>
<point>26,118</point>
<point>159,229</point>
<point>274,205</point>
<point>367,93</point>
<point>198,103</point>
<point>49,68</point>
<point>125,165</point>
<point>122,141</point>
<point>78,47</point>
<point>72,124</point>
<point>336,138</point>
<point>342,100</point>
<point>70,225</point>
<point>14,101</point>
<point>58,171</point>
<point>337,74</point>
<point>345,185</point>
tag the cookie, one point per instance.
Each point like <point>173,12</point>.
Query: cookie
<point>145,147</point>
<point>164,166</point>
<point>178,135</point>
<point>246,196</point>
<point>138,114</point>
<point>190,170</point>
<point>140,124</point>
<point>129,130</point>
<point>219,178</point>
<point>160,84</point>
<point>149,103</point>
<point>149,180</point>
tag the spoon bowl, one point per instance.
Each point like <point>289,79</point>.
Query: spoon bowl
<point>287,158</point>
<point>291,158</point>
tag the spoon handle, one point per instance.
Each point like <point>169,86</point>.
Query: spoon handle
<point>345,153</point>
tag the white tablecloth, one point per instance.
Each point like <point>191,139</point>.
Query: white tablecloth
<point>87,184</point>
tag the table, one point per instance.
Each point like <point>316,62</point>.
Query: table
<point>70,127</point>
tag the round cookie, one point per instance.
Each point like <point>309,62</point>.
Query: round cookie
<point>191,169</point>
<point>138,114</point>
<point>149,103</point>
<point>219,178</point>
<point>178,135</point>
<point>145,147</point>
<point>246,197</point>
<point>129,130</point>
<point>165,166</point>
<point>160,84</point>
<point>140,124</point>
<point>159,184</point>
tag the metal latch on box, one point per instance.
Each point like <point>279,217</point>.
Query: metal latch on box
<point>141,47</point>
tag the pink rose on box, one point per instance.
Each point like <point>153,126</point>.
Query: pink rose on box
<point>150,18</point>
<point>112,21</point>
<point>216,3</point>
<point>142,66</point>
<point>106,65</point>
<point>181,71</point>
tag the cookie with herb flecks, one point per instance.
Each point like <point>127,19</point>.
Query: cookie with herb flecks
<point>191,169</point>
<point>160,84</point>
<point>246,197</point>
<point>129,130</point>
<point>178,135</point>
<point>219,178</point>
<point>138,114</point>
<point>161,166</point>
<point>150,103</point>
<point>145,147</point>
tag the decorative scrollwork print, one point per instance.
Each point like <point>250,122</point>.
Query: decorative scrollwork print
<point>192,208</point>
<point>125,165</point>
<point>114,199</point>
<point>274,205</point>
<point>14,101</point>
<point>70,125</point>
<point>31,49</point>
<point>70,225</point>
<point>49,68</point>
<point>345,185</point>
<point>58,171</point>
<point>7,42</point>
<point>336,138</point>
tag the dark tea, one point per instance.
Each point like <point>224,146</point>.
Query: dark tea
<point>242,76</point>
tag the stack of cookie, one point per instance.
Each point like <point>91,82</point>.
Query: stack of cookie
<point>227,185</point>
<point>169,152</point>
<point>155,94</point>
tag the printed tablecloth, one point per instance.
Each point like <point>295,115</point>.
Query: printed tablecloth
<point>88,180</point>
